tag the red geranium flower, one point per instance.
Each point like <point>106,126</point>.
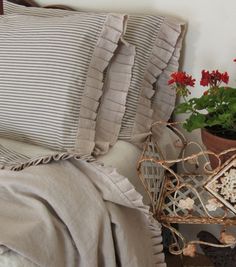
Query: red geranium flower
<point>225,77</point>
<point>205,80</point>
<point>214,78</point>
<point>214,108</point>
<point>181,79</point>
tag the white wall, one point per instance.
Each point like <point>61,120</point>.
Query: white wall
<point>211,37</point>
<point>210,41</point>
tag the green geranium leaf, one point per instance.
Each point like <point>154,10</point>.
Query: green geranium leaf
<point>211,109</point>
<point>216,108</point>
<point>195,121</point>
<point>232,106</point>
<point>202,102</point>
<point>182,108</point>
<point>214,120</point>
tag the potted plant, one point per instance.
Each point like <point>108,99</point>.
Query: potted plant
<point>214,112</point>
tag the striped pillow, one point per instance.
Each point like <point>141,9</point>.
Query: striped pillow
<point>51,77</point>
<point>157,41</point>
<point>135,93</point>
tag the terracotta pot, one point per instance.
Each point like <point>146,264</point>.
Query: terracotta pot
<point>217,144</point>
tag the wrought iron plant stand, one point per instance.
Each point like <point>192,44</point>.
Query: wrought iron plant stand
<point>195,194</point>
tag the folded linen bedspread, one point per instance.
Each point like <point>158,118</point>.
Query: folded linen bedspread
<point>75,213</point>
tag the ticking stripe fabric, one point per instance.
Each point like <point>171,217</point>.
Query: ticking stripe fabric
<point>135,91</point>
<point>15,161</point>
<point>51,77</point>
<point>157,41</point>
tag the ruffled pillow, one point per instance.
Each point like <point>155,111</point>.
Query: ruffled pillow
<point>52,75</point>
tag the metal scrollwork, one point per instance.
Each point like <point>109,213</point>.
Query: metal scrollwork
<point>194,194</point>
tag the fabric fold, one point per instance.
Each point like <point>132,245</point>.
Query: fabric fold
<point>129,197</point>
<point>108,184</point>
<point>157,43</point>
<point>163,101</point>
<point>123,194</point>
<point>160,101</point>
<point>15,161</point>
<point>46,159</point>
<point>106,180</point>
<point>111,33</point>
<point>113,101</point>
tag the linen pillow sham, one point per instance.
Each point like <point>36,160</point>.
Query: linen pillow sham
<point>120,72</point>
<point>51,76</point>
<point>158,41</point>
<point>135,93</point>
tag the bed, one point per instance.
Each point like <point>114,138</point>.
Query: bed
<point>69,190</point>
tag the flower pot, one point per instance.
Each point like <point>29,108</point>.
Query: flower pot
<point>217,144</point>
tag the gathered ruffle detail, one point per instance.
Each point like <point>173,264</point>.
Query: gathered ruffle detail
<point>158,104</point>
<point>133,199</point>
<point>164,99</point>
<point>113,101</point>
<point>44,159</point>
<point>107,43</point>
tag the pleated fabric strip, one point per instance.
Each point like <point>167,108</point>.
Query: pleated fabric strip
<point>164,99</point>
<point>113,102</point>
<point>141,32</point>
<point>156,103</point>
<point>154,51</point>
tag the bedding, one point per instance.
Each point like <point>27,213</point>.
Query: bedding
<point>107,226</point>
<point>157,41</point>
<point>122,72</point>
<point>52,76</point>
<point>135,91</point>
<point>123,155</point>
<point>63,208</point>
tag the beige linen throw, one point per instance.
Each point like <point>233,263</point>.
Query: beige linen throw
<point>76,213</point>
